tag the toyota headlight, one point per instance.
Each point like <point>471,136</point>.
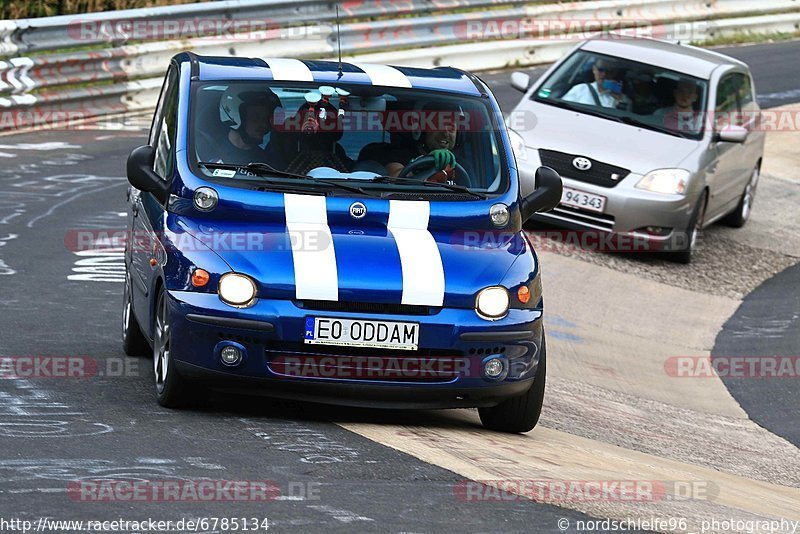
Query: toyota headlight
<point>492,303</point>
<point>666,181</point>
<point>518,145</point>
<point>237,289</point>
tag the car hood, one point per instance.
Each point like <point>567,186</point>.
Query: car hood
<point>292,256</point>
<point>637,149</point>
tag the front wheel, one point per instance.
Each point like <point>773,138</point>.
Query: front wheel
<point>521,413</point>
<point>692,235</point>
<point>741,214</point>
<point>171,389</point>
<point>133,341</point>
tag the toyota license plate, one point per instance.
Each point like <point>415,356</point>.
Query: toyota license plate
<point>583,200</point>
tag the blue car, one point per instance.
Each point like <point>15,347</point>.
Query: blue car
<point>336,232</point>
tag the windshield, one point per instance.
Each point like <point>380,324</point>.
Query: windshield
<point>619,89</point>
<point>353,138</point>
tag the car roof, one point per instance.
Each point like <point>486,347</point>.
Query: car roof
<point>687,59</point>
<point>218,68</point>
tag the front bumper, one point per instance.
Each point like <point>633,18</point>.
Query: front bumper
<point>628,211</point>
<point>453,347</point>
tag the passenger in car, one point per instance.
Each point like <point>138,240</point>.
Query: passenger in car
<point>605,91</point>
<point>248,117</point>
<point>682,116</point>
<point>644,99</point>
<point>311,138</point>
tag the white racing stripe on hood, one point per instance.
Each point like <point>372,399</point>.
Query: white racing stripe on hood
<point>290,69</point>
<point>315,275</point>
<point>384,75</point>
<point>421,263</point>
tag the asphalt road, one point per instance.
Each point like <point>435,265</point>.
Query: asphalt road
<point>766,325</point>
<point>56,432</point>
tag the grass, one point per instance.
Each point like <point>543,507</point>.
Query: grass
<point>740,38</point>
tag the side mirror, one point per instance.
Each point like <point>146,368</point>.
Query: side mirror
<point>141,174</point>
<point>520,81</point>
<point>732,134</point>
<point>545,197</point>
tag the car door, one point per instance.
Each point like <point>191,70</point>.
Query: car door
<point>728,158</point>
<point>147,212</point>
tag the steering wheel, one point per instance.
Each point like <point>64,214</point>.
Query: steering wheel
<point>417,167</point>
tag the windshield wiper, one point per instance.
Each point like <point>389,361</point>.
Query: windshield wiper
<point>262,170</point>
<point>413,181</point>
<point>656,127</point>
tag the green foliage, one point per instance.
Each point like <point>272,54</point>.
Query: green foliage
<point>20,9</point>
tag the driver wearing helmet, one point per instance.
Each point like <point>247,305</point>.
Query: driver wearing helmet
<point>437,138</point>
<point>249,117</point>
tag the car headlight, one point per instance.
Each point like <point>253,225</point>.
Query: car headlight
<point>666,181</point>
<point>236,289</point>
<point>518,145</point>
<point>492,303</point>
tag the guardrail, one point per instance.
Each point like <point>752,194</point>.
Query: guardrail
<point>60,68</point>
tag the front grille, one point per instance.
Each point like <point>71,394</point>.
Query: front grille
<point>297,360</point>
<point>365,307</point>
<point>601,174</point>
<point>584,217</point>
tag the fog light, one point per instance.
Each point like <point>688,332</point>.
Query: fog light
<point>493,368</point>
<point>205,198</point>
<point>499,215</point>
<point>200,277</point>
<point>655,231</point>
<point>524,294</point>
<point>231,355</point>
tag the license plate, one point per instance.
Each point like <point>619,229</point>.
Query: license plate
<point>583,200</point>
<point>361,333</point>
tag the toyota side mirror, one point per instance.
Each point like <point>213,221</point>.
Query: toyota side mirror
<point>141,174</point>
<point>545,197</point>
<point>520,81</point>
<point>732,134</point>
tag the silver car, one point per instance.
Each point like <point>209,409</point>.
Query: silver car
<point>653,139</point>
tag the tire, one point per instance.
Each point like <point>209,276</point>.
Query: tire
<point>172,390</point>
<point>134,342</point>
<point>741,214</point>
<point>521,413</point>
<point>684,254</point>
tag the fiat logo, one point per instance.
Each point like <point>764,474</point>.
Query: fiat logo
<point>582,164</point>
<point>357,210</point>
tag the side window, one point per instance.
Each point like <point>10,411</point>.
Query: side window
<point>727,94</point>
<point>727,107</point>
<point>745,91</point>
<point>162,132</point>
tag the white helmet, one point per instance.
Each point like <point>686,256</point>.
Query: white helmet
<point>230,104</point>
